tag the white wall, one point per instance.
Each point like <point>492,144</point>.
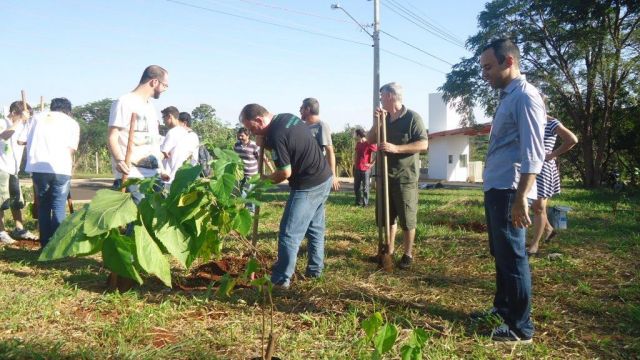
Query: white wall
<point>439,150</point>
<point>441,116</point>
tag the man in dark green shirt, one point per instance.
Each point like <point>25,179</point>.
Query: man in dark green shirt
<point>406,139</point>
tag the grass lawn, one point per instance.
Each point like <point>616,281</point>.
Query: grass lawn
<point>586,303</point>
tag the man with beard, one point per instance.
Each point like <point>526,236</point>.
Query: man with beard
<point>146,142</point>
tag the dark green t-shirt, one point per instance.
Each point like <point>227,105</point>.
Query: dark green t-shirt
<point>408,128</point>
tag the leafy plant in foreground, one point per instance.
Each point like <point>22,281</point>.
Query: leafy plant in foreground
<point>383,335</point>
<point>189,221</point>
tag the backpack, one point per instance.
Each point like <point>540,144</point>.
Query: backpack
<point>204,159</point>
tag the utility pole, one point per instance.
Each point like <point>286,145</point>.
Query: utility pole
<point>376,54</point>
<point>376,47</point>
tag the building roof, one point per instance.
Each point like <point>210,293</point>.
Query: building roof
<point>480,129</point>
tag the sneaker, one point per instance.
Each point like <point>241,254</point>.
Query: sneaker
<point>504,335</point>
<point>23,234</point>
<point>5,238</point>
<point>405,262</point>
<point>481,315</point>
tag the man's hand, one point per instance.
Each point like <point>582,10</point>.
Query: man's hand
<point>520,213</point>
<point>336,184</point>
<point>379,112</point>
<point>389,148</point>
<point>122,167</point>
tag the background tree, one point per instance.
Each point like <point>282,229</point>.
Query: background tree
<point>344,148</point>
<point>211,130</point>
<point>93,119</point>
<point>583,54</point>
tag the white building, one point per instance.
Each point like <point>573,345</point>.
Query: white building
<point>449,143</point>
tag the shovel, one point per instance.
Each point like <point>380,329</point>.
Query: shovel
<point>382,184</point>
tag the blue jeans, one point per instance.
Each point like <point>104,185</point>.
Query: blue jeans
<point>513,276</point>
<point>52,191</point>
<point>303,215</point>
<point>361,181</point>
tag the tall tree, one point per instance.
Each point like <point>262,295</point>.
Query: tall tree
<point>583,54</point>
<point>211,130</point>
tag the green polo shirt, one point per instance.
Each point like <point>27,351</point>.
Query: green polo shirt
<point>408,128</point>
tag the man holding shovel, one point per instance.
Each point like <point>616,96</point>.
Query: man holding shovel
<point>406,139</point>
<point>145,146</point>
<point>299,159</point>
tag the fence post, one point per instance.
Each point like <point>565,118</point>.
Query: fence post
<point>97,164</point>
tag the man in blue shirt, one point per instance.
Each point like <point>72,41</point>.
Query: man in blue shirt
<point>514,157</point>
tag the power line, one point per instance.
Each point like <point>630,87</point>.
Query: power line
<point>299,12</point>
<point>265,22</point>
<point>182,3</point>
<point>422,26</point>
<point>443,34</point>
<point>434,23</point>
<point>417,48</point>
<point>413,61</point>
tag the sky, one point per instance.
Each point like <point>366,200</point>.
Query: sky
<point>229,53</point>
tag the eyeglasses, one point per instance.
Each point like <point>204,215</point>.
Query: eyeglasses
<point>166,85</point>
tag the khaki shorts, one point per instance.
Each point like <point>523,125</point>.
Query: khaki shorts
<point>403,204</point>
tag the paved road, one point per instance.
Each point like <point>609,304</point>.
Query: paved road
<point>85,189</point>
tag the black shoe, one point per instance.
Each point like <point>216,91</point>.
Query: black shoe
<point>405,262</point>
<point>481,315</point>
<point>504,335</point>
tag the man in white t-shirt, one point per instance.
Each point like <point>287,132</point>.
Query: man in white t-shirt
<point>10,158</point>
<point>180,144</point>
<point>51,138</point>
<point>145,153</point>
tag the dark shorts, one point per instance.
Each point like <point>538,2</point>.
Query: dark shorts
<point>14,201</point>
<point>403,204</point>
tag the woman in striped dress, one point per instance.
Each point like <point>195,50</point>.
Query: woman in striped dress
<point>548,181</point>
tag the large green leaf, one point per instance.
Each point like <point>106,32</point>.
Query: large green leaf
<point>225,287</point>
<point>243,221</point>
<point>223,186</point>
<point>64,242</point>
<point>173,237</point>
<point>109,210</point>
<point>149,256</point>
<point>186,175</point>
<point>118,255</point>
<point>411,353</point>
<point>385,338</point>
<point>372,324</point>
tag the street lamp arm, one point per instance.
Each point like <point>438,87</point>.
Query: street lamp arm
<point>337,6</point>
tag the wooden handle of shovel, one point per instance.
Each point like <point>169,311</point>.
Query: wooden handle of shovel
<point>385,179</point>
<point>127,155</point>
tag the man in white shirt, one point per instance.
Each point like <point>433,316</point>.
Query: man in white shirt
<point>146,143</point>
<point>10,158</point>
<point>51,138</point>
<point>180,144</point>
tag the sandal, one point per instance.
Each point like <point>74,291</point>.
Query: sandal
<point>551,236</point>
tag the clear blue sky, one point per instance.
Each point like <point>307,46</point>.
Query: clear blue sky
<point>88,50</point>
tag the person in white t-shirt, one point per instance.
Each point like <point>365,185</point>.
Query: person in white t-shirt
<point>10,158</point>
<point>146,153</point>
<point>51,138</point>
<point>180,144</point>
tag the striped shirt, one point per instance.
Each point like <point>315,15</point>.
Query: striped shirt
<point>249,154</point>
<point>550,135</point>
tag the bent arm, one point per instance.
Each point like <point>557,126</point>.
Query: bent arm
<point>569,140</point>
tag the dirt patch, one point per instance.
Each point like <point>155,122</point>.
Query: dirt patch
<point>210,274</point>
<point>162,337</point>
<point>473,226</point>
<point>26,245</point>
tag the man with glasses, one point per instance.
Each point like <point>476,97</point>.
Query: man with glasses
<point>146,142</point>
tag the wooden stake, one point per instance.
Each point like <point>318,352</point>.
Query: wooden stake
<point>387,261</point>
<point>41,103</point>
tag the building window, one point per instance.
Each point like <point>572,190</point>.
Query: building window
<point>463,160</point>
<point>450,159</point>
